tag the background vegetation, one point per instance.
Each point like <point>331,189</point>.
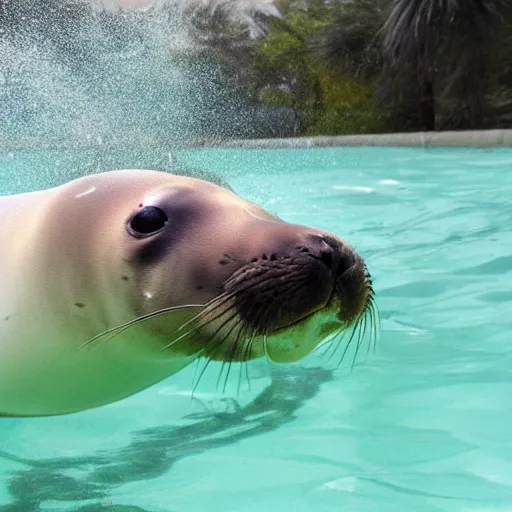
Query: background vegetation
<point>363,66</point>
<point>320,67</point>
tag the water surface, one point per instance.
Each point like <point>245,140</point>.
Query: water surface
<point>423,425</point>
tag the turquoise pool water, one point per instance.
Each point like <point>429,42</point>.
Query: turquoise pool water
<point>423,425</point>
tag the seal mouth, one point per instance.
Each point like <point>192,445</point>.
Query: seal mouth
<point>351,296</point>
<point>274,295</point>
<point>268,297</point>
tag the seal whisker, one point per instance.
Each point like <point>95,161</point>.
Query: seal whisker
<point>366,320</point>
<point>265,347</point>
<point>214,304</point>
<point>194,387</point>
<point>361,325</point>
<point>240,373</point>
<point>204,325</point>
<point>219,300</point>
<point>224,297</point>
<point>179,338</point>
<point>201,326</point>
<point>210,357</point>
<point>245,361</point>
<point>371,317</point>
<point>373,329</point>
<point>226,336</point>
<point>335,344</point>
<point>231,309</point>
<point>234,348</point>
<point>347,346</point>
<point>197,328</point>
<point>376,312</point>
<point>361,332</point>
<point>252,334</point>
<point>260,321</point>
<point>198,364</point>
<point>115,331</point>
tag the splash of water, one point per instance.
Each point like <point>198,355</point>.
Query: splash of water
<point>81,76</point>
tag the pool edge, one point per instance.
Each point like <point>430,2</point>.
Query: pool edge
<point>473,139</point>
<point>469,138</point>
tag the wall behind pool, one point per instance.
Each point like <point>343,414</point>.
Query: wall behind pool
<point>469,138</point>
<point>476,139</point>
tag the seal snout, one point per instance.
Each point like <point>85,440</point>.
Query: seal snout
<point>298,273</point>
<point>351,287</point>
<point>335,255</point>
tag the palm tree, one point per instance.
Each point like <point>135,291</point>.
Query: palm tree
<point>351,42</point>
<point>444,44</point>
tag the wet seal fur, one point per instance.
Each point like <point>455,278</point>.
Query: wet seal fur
<point>115,281</point>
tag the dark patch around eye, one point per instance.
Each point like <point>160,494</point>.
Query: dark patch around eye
<point>155,249</point>
<point>79,305</point>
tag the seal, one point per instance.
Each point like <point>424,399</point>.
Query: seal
<point>115,281</point>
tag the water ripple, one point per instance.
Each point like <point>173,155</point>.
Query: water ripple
<point>423,426</point>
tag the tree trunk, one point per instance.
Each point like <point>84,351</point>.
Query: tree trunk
<point>475,92</point>
<point>427,106</point>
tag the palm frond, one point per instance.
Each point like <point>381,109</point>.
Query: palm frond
<point>420,27</point>
<point>351,41</point>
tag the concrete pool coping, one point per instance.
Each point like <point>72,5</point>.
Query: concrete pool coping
<point>460,139</point>
<point>470,139</point>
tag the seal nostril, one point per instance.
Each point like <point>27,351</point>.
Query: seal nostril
<point>335,255</point>
<point>326,257</point>
<point>324,249</point>
<point>331,242</point>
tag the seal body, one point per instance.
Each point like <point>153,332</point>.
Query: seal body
<point>97,253</point>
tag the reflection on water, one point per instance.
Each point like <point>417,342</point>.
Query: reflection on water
<point>154,451</point>
<point>422,426</point>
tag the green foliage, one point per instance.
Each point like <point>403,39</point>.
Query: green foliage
<point>284,46</point>
<point>276,97</point>
<point>287,73</point>
<point>348,106</point>
<point>365,66</point>
<point>348,121</point>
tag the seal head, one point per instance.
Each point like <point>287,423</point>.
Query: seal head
<point>269,288</point>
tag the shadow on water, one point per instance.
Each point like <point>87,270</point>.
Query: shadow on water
<point>153,451</point>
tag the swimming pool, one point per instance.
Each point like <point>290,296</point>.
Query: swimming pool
<point>422,425</point>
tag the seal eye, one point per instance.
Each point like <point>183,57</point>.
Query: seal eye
<point>146,221</point>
